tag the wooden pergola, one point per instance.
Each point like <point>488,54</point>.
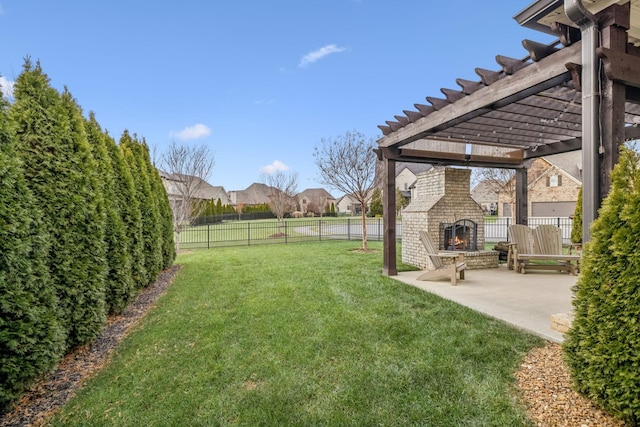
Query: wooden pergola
<point>527,108</point>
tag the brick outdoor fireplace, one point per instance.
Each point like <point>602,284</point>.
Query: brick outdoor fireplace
<point>442,206</point>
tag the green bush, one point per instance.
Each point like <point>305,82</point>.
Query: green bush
<point>60,172</point>
<point>165,216</point>
<point>576,226</point>
<point>602,348</point>
<point>31,339</point>
<point>375,209</point>
<point>119,289</point>
<point>129,207</point>
<point>133,151</point>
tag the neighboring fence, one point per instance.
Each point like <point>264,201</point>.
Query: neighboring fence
<point>241,233</point>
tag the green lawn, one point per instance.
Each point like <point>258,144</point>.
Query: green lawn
<point>301,335</point>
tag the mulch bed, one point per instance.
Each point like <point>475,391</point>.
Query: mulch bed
<point>52,392</point>
<point>542,380</point>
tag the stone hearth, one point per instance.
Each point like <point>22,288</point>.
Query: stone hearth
<point>442,196</point>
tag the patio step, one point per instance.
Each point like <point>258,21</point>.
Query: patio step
<point>561,322</point>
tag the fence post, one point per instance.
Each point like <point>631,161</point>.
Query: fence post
<point>379,235</point>
<point>348,228</point>
<point>208,236</point>
<point>320,229</point>
<point>286,235</point>
<point>248,234</point>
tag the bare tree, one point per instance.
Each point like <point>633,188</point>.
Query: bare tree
<point>348,164</point>
<point>188,168</point>
<point>282,190</point>
<point>501,181</point>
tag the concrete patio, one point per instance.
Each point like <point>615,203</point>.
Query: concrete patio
<point>527,301</point>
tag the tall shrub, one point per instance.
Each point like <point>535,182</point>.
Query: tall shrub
<point>165,217</point>
<point>576,226</point>
<point>129,207</point>
<point>133,151</point>
<point>602,347</point>
<point>60,172</point>
<point>31,339</point>
<point>119,288</point>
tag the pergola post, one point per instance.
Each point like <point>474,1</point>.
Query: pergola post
<point>522,216</point>
<point>614,23</point>
<point>389,217</point>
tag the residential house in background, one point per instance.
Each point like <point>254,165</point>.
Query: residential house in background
<point>553,186</point>
<point>255,194</point>
<point>485,194</point>
<point>406,176</point>
<point>348,205</point>
<point>315,201</point>
<point>203,190</point>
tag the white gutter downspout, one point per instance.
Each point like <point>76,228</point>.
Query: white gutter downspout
<point>588,24</point>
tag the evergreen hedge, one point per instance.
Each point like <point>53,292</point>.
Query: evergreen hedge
<point>119,289</point>
<point>31,339</point>
<point>134,154</point>
<point>78,234</point>
<point>60,171</point>
<point>602,348</point>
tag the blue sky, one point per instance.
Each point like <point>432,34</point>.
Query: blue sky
<point>259,82</point>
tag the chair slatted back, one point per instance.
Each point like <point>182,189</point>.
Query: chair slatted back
<point>431,249</point>
<point>548,239</point>
<point>522,236</point>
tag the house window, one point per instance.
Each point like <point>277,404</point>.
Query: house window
<point>554,181</point>
<point>405,186</point>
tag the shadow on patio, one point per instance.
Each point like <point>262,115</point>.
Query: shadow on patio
<point>526,301</point>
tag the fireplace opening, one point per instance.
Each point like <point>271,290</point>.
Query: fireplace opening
<point>461,235</point>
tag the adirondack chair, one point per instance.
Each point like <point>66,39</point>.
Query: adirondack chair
<point>455,267</point>
<point>544,243</point>
<point>521,243</point>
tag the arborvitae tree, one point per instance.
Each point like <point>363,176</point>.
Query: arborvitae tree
<point>376,203</point>
<point>165,217</point>
<point>119,285</point>
<point>576,227</point>
<point>31,339</point>
<point>219,209</point>
<point>602,347</point>
<point>151,234</point>
<point>129,207</point>
<point>60,171</point>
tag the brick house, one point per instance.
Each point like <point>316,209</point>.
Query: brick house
<point>553,186</point>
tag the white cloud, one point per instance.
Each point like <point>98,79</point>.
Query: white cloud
<point>276,166</point>
<point>318,54</point>
<point>7,87</point>
<point>192,132</point>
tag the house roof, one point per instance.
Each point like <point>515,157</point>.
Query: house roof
<point>484,192</point>
<point>415,168</point>
<point>255,194</point>
<point>315,194</point>
<point>570,163</point>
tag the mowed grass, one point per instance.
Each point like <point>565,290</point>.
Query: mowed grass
<point>304,335</point>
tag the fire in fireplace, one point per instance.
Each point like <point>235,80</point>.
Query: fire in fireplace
<point>461,235</point>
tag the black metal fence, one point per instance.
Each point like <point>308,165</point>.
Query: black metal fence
<point>496,229</point>
<point>247,233</point>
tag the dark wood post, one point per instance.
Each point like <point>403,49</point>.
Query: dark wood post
<point>614,23</point>
<point>389,217</point>
<point>522,215</point>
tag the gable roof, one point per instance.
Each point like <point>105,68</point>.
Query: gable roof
<point>315,194</point>
<point>570,163</point>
